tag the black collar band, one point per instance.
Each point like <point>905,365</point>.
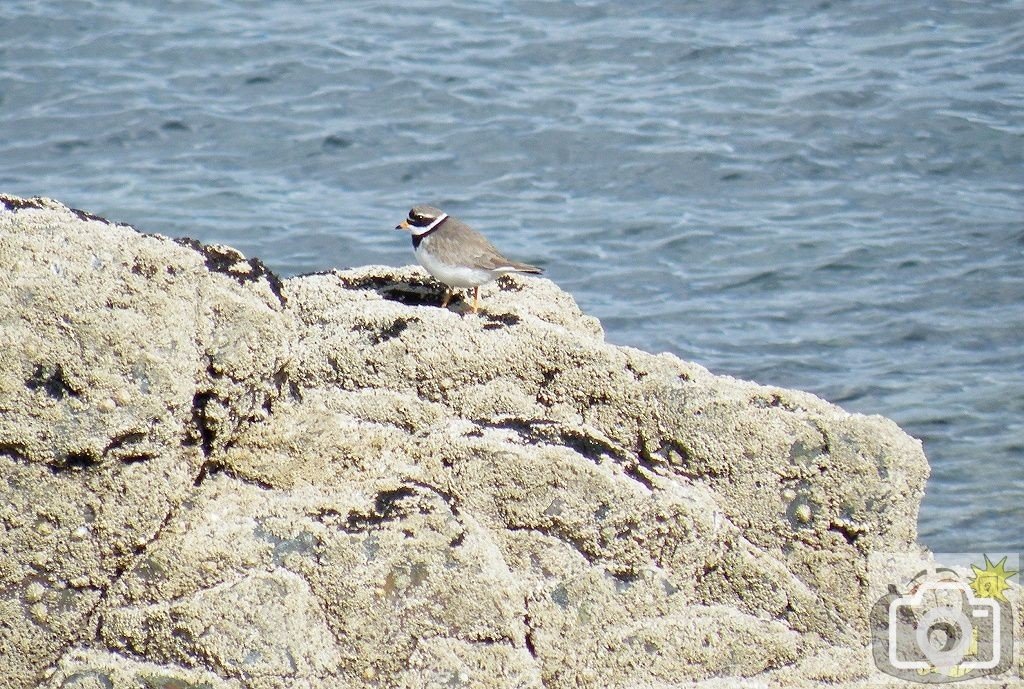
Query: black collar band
<point>417,238</point>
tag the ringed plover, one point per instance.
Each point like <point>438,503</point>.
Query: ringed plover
<point>455,253</point>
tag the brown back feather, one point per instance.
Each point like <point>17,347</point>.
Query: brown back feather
<point>472,248</point>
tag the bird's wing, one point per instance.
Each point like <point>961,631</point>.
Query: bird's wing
<point>467,246</point>
<point>472,248</point>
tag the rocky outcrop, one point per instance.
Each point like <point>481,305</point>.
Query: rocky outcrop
<point>212,478</point>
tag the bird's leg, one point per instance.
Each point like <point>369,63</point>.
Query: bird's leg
<point>448,291</point>
<point>476,298</point>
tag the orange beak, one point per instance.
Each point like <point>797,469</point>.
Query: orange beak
<point>404,225</point>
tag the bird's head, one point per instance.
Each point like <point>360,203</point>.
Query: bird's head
<point>422,219</point>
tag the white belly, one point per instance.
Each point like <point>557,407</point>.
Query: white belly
<point>453,276</point>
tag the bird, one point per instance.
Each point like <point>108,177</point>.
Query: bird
<point>455,253</point>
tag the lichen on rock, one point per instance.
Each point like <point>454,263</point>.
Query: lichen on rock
<point>218,478</point>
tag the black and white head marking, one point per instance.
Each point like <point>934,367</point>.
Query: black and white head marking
<point>421,226</point>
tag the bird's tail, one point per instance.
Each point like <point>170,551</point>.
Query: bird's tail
<point>524,268</point>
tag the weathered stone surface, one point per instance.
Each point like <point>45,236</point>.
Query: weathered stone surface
<point>212,478</point>
<point>125,361</point>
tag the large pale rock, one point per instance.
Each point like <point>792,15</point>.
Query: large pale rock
<point>217,479</point>
<point>125,361</point>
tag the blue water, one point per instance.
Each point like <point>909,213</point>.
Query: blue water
<point>827,196</point>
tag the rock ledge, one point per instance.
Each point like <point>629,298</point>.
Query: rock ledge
<point>210,477</point>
